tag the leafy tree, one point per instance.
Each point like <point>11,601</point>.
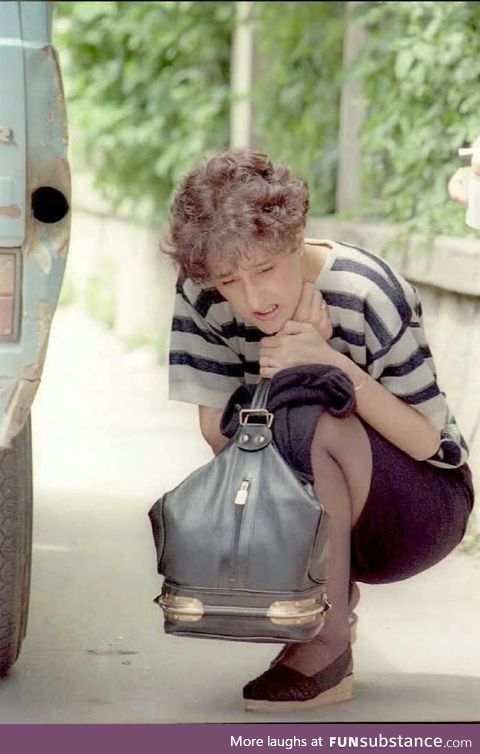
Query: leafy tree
<point>297,91</point>
<point>148,92</point>
<point>422,83</point>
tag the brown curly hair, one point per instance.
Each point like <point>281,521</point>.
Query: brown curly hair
<point>230,204</point>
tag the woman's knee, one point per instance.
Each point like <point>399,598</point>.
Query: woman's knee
<point>346,441</point>
<point>334,434</point>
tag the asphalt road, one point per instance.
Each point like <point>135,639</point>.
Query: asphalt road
<point>107,443</point>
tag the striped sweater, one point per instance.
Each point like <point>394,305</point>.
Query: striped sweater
<point>377,322</point>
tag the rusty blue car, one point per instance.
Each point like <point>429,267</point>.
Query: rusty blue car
<point>34,239</point>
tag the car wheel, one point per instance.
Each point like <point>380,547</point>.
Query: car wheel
<point>16,506</point>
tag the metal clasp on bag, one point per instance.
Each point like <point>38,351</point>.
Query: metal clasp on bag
<point>246,412</point>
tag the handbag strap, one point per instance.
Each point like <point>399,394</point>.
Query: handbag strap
<point>260,396</point>
<point>257,418</point>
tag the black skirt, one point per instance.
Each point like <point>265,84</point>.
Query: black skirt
<point>415,514</point>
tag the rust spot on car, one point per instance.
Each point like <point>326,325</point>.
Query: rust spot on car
<point>45,315</point>
<point>6,135</point>
<point>13,211</point>
<point>31,372</point>
<point>20,398</point>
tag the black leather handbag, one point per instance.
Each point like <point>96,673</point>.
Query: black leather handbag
<point>242,543</point>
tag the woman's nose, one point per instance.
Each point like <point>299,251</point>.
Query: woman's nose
<point>253,296</point>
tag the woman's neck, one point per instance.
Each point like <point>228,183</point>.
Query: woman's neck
<point>313,260</point>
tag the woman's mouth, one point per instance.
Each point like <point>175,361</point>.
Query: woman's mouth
<point>269,313</point>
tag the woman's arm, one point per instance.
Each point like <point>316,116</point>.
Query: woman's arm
<point>398,422</point>
<point>209,419</point>
<point>301,343</point>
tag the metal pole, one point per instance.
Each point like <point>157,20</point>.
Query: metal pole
<point>241,77</point>
<point>352,113</point>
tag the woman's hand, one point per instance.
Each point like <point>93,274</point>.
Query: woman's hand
<point>297,343</point>
<point>303,339</point>
<point>312,307</point>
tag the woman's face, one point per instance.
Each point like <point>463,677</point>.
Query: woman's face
<point>264,289</point>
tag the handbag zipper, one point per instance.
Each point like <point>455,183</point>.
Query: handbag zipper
<point>242,492</point>
<point>239,503</point>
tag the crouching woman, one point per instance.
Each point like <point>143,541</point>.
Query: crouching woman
<point>254,297</point>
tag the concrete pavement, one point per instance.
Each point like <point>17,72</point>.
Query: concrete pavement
<point>107,443</point>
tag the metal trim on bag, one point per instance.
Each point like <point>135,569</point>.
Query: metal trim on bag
<point>296,611</point>
<point>188,609</point>
<point>282,613</point>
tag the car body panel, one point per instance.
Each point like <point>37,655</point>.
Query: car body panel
<point>34,224</point>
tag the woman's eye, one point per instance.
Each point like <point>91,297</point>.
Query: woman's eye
<point>267,269</point>
<point>227,282</point>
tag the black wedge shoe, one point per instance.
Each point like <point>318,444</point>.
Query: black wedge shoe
<point>283,689</point>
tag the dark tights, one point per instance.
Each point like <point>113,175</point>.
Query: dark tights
<point>342,468</point>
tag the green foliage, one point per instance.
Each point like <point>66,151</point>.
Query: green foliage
<point>147,88</point>
<point>420,76</point>
<point>297,93</point>
<point>148,91</point>
<point>148,96</point>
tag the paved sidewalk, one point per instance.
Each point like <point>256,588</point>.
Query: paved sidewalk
<point>107,443</point>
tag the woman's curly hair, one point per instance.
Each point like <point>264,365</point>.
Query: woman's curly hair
<point>233,203</point>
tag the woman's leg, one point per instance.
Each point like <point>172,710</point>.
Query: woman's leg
<point>342,467</point>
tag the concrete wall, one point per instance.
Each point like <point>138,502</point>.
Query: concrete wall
<point>125,257</point>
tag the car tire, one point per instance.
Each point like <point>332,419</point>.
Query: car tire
<point>16,508</point>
